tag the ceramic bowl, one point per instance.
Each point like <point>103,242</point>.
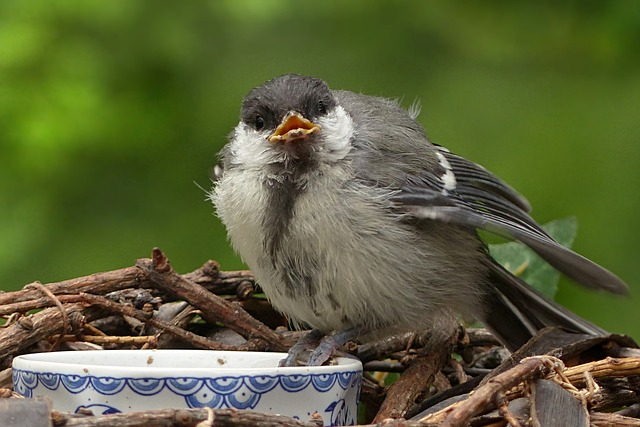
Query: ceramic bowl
<point>112,381</point>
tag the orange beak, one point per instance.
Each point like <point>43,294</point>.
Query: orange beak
<point>294,127</point>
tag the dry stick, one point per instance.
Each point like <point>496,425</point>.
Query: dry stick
<point>32,304</point>
<point>94,331</point>
<point>484,397</point>
<point>99,283</point>
<point>42,302</point>
<point>383,347</point>
<point>238,282</point>
<point>6,381</point>
<point>181,417</point>
<point>416,380</point>
<point>102,339</point>
<point>65,320</point>
<point>608,367</point>
<point>27,331</point>
<point>195,417</point>
<point>10,320</point>
<point>214,309</point>
<point>403,393</point>
<point>601,419</point>
<point>616,393</point>
<point>127,310</point>
<point>481,337</point>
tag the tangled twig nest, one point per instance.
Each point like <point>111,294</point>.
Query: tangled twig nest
<point>411,379</point>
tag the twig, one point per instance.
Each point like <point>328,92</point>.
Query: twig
<point>483,398</point>
<point>27,331</point>
<point>214,309</point>
<point>416,380</point>
<point>383,347</point>
<point>56,301</point>
<point>127,310</point>
<point>608,367</point>
<point>99,283</point>
<point>100,339</point>
<point>481,337</point>
<point>240,283</point>
<point>180,417</point>
<point>6,378</point>
<point>602,419</point>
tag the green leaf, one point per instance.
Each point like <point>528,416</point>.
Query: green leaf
<point>527,265</point>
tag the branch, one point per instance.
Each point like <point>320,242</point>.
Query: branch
<point>240,283</point>
<point>182,417</point>
<point>213,308</point>
<point>417,379</point>
<point>16,338</point>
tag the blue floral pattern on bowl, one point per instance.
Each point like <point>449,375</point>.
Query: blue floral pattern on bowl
<point>265,393</point>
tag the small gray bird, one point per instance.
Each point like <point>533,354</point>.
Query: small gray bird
<point>354,223</point>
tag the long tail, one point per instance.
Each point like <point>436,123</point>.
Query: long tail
<point>516,311</point>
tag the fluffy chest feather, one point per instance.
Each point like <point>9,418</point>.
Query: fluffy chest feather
<point>306,243</point>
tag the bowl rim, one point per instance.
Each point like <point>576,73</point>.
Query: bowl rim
<point>54,363</point>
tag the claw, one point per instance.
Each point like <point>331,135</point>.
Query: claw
<point>299,353</point>
<point>315,348</point>
<point>327,348</point>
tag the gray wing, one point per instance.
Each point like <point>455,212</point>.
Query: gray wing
<point>481,200</point>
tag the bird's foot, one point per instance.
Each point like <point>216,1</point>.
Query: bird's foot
<point>314,349</point>
<point>328,347</point>
<point>300,352</point>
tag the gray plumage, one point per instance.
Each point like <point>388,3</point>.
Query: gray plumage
<point>363,224</point>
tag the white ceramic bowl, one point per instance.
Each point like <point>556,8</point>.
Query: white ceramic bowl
<point>136,380</point>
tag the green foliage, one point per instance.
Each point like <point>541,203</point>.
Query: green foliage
<point>526,264</point>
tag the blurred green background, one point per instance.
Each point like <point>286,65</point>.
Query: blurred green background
<point>111,115</point>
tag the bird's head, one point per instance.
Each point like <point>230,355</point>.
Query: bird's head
<point>291,119</point>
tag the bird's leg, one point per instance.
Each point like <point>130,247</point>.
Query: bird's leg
<point>320,346</point>
<point>305,344</point>
<point>330,345</point>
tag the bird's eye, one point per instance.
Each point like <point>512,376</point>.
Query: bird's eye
<point>259,122</point>
<point>321,108</point>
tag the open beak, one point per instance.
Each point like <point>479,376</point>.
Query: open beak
<point>294,127</point>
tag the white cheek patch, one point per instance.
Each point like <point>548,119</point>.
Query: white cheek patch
<point>448,178</point>
<point>337,130</point>
<point>251,148</point>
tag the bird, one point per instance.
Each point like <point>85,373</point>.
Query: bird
<point>355,224</point>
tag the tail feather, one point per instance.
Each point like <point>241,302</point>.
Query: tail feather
<point>516,311</point>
